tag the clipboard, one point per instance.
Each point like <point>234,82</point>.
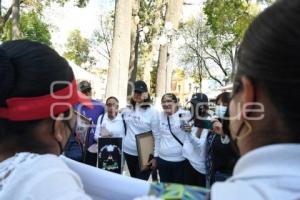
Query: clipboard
<point>83,129</point>
<point>145,147</point>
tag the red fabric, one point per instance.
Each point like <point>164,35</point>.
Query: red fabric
<point>34,108</point>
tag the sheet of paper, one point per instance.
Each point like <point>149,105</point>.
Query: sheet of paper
<point>103,185</point>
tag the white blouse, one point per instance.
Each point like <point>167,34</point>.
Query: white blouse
<point>35,177</point>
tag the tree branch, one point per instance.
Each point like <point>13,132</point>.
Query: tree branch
<point>209,74</point>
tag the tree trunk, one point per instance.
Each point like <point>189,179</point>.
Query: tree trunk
<point>134,47</point>
<point>120,54</point>
<point>161,81</point>
<point>16,33</point>
<point>148,68</point>
<point>166,60</point>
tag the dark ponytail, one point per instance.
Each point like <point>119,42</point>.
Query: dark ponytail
<point>7,77</point>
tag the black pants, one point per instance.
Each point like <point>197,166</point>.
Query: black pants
<point>134,168</point>
<point>170,172</point>
<point>192,176</point>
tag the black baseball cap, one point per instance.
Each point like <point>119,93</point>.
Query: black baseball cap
<point>140,86</point>
<point>199,98</point>
<point>84,85</point>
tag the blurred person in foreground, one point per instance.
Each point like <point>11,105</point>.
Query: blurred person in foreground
<point>37,93</point>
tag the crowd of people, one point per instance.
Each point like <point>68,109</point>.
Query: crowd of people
<point>257,122</point>
<point>185,149</point>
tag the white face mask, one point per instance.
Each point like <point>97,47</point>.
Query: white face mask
<point>220,111</point>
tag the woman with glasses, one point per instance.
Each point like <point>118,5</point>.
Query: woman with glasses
<point>172,136</point>
<point>111,123</point>
<point>37,92</point>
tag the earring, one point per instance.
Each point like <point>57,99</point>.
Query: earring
<point>249,127</point>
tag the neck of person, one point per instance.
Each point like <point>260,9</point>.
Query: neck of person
<point>172,112</point>
<point>112,116</point>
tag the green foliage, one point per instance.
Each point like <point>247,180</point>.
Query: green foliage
<point>78,3</point>
<point>153,79</point>
<point>32,27</point>
<point>77,48</point>
<point>196,34</point>
<point>228,20</point>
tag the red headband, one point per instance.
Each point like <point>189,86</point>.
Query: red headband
<point>34,108</point>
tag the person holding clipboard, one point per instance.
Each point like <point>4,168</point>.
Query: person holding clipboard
<point>140,117</point>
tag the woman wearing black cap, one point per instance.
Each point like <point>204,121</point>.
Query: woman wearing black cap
<point>37,92</point>
<point>194,148</point>
<point>140,117</point>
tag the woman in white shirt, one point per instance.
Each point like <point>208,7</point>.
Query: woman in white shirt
<point>194,149</point>
<point>111,123</point>
<point>140,117</point>
<point>37,92</point>
<point>172,136</point>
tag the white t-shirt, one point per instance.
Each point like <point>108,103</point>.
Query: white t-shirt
<point>34,177</point>
<point>170,149</point>
<point>139,121</point>
<point>115,126</point>
<point>267,173</point>
<point>194,149</point>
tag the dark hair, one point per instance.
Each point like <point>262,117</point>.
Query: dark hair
<point>145,105</point>
<point>172,96</point>
<point>27,70</point>
<point>112,97</point>
<point>85,87</point>
<point>223,97</point>
<point>269,56</point>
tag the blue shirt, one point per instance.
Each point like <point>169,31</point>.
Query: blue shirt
<point>73,149</point>
<point>92,114</point>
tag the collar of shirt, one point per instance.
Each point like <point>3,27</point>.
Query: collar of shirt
<point>117,118</point>
<point>269,161</point>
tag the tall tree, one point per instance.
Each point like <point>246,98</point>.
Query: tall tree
<point>165,62</point>
<point>134,46</point>
<point>77,48</point>
<point>151,16</point>
<point>36,5</point>
<point>228,20</point>
<point>16,33</point>
<point>120,54</point>
<point>102,38</point>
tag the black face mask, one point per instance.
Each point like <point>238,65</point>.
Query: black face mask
<point>72,131</point>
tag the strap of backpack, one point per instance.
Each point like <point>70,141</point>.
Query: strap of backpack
<point>124,123</point>
<point>102,117</point>
<point>176,138</point>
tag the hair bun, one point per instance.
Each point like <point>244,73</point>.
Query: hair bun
<point>7,77</point>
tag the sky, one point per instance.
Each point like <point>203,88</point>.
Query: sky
<point>65,19</point>
<point>69,17</point>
